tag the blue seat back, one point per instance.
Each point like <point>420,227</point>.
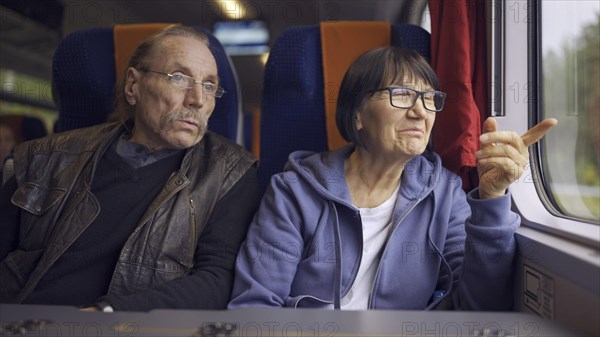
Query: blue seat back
<point>292,115</point>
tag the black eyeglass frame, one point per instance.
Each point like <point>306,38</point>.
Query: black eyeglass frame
<point>418,94</point>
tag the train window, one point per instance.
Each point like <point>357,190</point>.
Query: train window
<point>569,55</point>
<point>243,37</point>
<point>26,95</point>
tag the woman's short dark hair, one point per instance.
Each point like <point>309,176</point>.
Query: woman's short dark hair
<point>372,70</point>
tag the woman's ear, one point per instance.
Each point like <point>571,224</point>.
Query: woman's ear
<point>358,120</point>
<point>132,77</point>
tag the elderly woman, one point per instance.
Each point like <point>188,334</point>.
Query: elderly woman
<point>380,224</point>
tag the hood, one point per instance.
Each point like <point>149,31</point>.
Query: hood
<point>325,173</point>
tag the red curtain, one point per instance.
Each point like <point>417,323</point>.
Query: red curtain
<point>459,57</point>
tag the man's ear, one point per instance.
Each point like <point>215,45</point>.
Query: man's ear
<point>132,78</point>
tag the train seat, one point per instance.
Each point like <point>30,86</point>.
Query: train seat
<point>24,127</point>
<point>87,63</point>
<point>298,107</point>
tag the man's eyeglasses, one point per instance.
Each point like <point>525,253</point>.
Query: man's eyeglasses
<point>406,98</point>
<point>187,82</point>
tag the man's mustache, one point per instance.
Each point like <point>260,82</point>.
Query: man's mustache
<point>187,114</point>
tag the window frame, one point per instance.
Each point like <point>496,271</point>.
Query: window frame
<point>530,197</point>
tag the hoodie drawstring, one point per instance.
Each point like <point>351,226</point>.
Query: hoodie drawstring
<point>338,259</point>
<point>444,261</point>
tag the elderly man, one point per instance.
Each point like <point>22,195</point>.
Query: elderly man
<point>145,212</point>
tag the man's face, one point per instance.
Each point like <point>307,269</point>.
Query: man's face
<point>167,116</point>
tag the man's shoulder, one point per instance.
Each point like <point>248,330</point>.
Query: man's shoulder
<point>219,154</point>
<point>81,138</point>
<point>217,145</point>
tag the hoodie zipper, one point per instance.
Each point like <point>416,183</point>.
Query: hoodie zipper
<point>386,248</point>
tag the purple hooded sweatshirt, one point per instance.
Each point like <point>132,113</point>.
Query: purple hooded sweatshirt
<point>304,247</point>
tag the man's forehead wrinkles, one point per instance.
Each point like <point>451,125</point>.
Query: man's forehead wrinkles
<point>198,63</point>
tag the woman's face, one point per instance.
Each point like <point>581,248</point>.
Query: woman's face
<point>395,132</point>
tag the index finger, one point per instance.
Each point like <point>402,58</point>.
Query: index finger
<point>537,132</point>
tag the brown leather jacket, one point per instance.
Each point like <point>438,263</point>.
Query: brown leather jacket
<point>54,176</point>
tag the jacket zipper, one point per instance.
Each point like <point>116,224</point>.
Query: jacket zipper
<point>193,217</point>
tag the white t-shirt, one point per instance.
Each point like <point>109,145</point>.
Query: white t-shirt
<point>375,226</point>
